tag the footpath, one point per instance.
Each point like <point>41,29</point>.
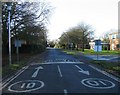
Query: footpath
<point>113,58</point>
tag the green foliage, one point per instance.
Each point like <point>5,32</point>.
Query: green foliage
<point>103,52</point>
<point>109,66</point>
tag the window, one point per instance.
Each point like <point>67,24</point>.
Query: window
<point>113,36</point>
<point>118,45</point>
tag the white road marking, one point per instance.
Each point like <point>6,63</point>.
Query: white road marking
<point>3,83</point>
<point>36,72</point>
<point>82,71</point>
<point>105,73</point>
<point>14,77</point>
<point>57,63</point>
<point>65,92</point>
<point>98,83</point>
<point>27,87</point>
<point>59,71</point>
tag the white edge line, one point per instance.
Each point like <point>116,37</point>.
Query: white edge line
<point>65,92</point>
<point>3,83</point>
<point>105,73</point>
<point>59,71</point>
<point>16,75</point>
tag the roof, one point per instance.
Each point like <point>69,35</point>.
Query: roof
<point>115,33</point>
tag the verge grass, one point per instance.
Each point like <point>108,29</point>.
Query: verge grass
<point>112,67</point>
<point>108,66</point>
<point>103,52</point>
<point>15,66</point>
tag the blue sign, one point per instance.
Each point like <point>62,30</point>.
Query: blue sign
<point>17,43</point>
<point>97,42</point>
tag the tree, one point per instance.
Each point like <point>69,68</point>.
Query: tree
<point>28,22</point>
<point>87,33</point>
<point>79,34</point>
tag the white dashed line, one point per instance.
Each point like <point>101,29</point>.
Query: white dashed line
<point>59,71</point>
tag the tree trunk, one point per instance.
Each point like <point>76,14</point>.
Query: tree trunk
<point>83,42</point>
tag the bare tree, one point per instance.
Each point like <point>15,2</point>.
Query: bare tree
<point>87,33</point>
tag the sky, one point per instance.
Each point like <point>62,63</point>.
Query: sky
<point>101,14</point>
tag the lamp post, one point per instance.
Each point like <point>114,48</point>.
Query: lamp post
<point>9,33</point>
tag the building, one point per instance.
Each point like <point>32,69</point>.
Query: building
<point>114,41</point>
<point>92,45</point>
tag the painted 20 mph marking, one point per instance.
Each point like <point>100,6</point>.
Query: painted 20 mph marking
<point>26,86</point>
<point>97,83</point>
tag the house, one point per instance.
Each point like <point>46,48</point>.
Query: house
<point>92,45</point>
<point>114,41</point>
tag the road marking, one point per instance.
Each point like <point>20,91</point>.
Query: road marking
<point>65,92</point>
<point>26,86</point>
<point>36,72</point>
<point>59,71</point>
<point>97,83</point>
<point>57,63</point>
<point>82,71</point>
<point>105,73</point>
<point>63,62</point>
<point>14,78</point>
<point>3,83</point>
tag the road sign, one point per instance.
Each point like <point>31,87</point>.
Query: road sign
<point>17,43</point>
<point>98,48</point>
<point>97,42</point>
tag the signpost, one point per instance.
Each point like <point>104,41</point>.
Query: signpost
<point>17,45</point>
<point>71,45</point>
<point>98,47</point>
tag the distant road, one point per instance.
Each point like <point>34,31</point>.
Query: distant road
<point>61,73</point>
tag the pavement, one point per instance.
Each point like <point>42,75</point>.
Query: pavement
<point>104,57</point>
<point>59,73</point>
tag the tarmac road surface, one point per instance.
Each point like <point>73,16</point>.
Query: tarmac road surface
<point>61,73</point>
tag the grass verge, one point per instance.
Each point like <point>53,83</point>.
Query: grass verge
<point>112,67</point>
<point>103,52</point>
<point>92,52</point>
<point>7,69</point>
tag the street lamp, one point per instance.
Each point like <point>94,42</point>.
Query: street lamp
<point>9,34</point>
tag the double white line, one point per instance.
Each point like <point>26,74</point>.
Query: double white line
<point>13,77</point>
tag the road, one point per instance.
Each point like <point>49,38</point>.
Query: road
<point>59,72</point>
